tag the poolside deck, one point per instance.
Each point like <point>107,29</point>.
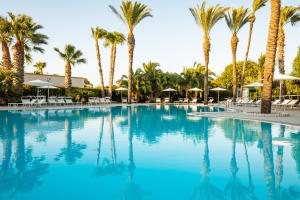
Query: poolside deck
<point>289,116</point>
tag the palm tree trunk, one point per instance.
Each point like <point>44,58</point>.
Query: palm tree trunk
<point>100,67</point>
<point>270,57</point>
<point>252,20</point>
<point>206,47</point>
<point>68,77</point>
<point>131,44</point>
<point>18,66</point>
<point>112,68</point>
<point>6,59</point>
<point>280,52</point>
<point>234,43</point>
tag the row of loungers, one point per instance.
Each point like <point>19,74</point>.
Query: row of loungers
<point>286,103</point>
<point>38,101</point>
<point>97,101</point>
<point>182,100</point>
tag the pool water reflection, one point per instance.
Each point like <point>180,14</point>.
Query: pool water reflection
<point>145,152</point>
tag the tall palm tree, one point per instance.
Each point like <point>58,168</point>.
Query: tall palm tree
<point>5,39</point>
<point>71,56</point>
<point>27,39</point>
<point>256,5</point>
<point>132,14</point>
<point>113,39</point>
<point>288,14</point>
<point>206,18</point>
<point>270,57</point>
<point>98,34</point>
<point>40,66</point>
<point>236,18</point>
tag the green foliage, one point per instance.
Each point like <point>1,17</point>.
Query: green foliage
<point>236,18</point>
<point>7,91</point>
<point>252,73</point>
<point>296,64</point>
<point>71,55</point>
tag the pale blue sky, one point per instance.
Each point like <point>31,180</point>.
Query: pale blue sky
<point>171,37</point>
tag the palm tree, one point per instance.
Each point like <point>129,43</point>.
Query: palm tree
<point>288,14</point>
<point>71,56</point>
<point>113,39</point>
<point>256,5</point>
<point>5,39</point>
<point>27,39</point>
<point>206,19</point>
<point>235,19</point>
<point>270,57</point>
<point>40,66</point>
<point>98,34</point>
<point>132,14</point>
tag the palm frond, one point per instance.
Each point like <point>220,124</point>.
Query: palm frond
<point>289,14</point>
<point>206,18</point>
<point>236,18</point>
<point>132,13</point>
<point>257,4</point>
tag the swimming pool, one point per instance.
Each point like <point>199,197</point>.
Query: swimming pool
<point>144,152</point>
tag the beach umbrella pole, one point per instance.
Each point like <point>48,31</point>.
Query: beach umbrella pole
<point>218,97</point>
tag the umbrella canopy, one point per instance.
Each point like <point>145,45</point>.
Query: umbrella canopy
<point>254,85</point>
<point>121,89</point>
<point>284,77</point>
<point>195,89</point>
<point>169,90</point>
<point>218,89</point>
<point>38,83</point>
<point>48,87</point>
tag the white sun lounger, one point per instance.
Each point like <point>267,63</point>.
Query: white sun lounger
<point>166,100</point>
<point>158,100</point>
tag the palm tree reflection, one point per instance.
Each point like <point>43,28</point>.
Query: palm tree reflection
<point>72,151</point>
<point>108,166</point>
<point>206,190</point>
<point>132,191</point>
<point>20,173</point>
<point>234,189</point>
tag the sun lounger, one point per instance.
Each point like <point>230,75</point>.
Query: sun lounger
<point>69,101</point>
<point>180,100</point>
<point>60,101</point>
<point>166,100</point>
<point>124,100</point>
<point>285,102</point>
<point>92,101</point>
<point>107,100</point>
<point>158,100</point>
<point>194,100</point>
<point>52,101</point>
<point>276,102</point>
<point>186,100</point>
<point>293,103</point>
<point>133,100</point>
<point>211,100</point>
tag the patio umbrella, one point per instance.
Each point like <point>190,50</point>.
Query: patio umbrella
<point>38,83</point>
<point>121,89</point>
<point>195,90</point>
<point>218,89</point>
<point>284,77</point>
<point>254,85</point>
<point>48,87</point>
<point>169,90</point>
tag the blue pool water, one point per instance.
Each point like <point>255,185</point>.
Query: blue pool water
<point>145,152</point>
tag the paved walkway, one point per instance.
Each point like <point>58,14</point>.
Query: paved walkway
<point>293,117</point>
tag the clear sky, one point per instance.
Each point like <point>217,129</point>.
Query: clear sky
<point>171,37</point>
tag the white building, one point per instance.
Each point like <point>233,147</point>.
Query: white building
<point>57,80</point>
